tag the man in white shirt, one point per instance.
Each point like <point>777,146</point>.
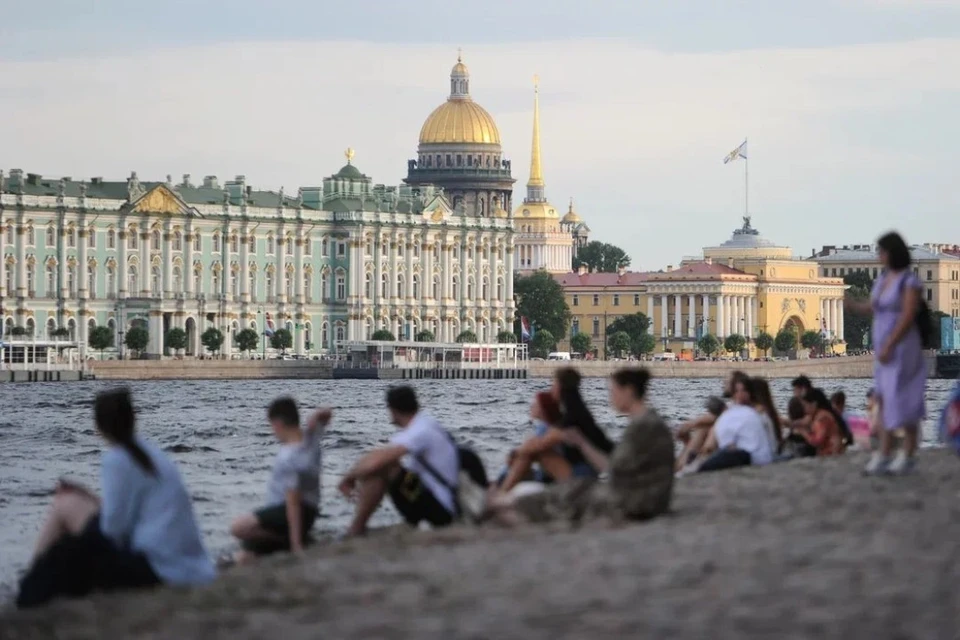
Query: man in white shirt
<point>418,468</point>
<point>740,433</point>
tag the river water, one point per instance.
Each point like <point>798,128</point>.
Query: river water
<point>218,434</point>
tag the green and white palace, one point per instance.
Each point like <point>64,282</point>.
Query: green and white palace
<point>328,263</point>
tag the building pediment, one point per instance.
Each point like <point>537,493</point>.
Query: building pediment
<point>437,210</point>
<point>163,201</point>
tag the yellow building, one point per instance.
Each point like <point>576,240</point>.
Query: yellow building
<point>745,286</point>
<point>544,239</point>
<point>939,272</point>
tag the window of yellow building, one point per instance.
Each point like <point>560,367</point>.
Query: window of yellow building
<point>616,299</point>
<point>596,300</point>
<point>576,300</point>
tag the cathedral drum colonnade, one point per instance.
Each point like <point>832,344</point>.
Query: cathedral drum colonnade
<point>330,263</point>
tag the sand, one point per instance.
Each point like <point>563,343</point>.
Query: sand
<point>808,549</point>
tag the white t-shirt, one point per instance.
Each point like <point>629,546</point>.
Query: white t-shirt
<point>425,438</point>
<point>297,466</point>
<point>742,427</point>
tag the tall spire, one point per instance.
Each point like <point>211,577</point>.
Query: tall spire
<point>535,190</point>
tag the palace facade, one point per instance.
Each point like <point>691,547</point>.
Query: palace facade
<point>329,263</point>
<point>743,286</point>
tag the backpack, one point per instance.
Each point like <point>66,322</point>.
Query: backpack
<point>470,492</point>
<point>923,319</point>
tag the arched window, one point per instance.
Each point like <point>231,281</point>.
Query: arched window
<point>485,287</point>
<point>215,283</point>
<point>400,290</point>
<point>132,239</point>
<point>51,281</point>
<point>325,286</point>
<point>111,239</point>
<point>234,243</point>
<point>155,240</point>
<point>308,286</point>
<point>368,286</point>
<point>499,288</point>
<point>216,243</point>
<point>288,245</point>
<point>436,287</point>
<point>324,247</point>
<point>71,281</point>
<point>456,287</point>
<point>252,239</point>
<point>177,241</point>
<point>234,283</point>
<point>31,280</point>
<point>341,334</point>
<point>156,280</point>
<point>197,282</point>
<point>132,279</point>
<point>469,288</point>
<point>384,286</point>
<point>270,244</point>
<point>177,279</point>
<point>51,237</point>
<point>252,286</point>
<point>341,286</point>
<point>416,287</point>
<point>111,282</point>
<point>307,245</point>
<point>288,284</point>
<point>197,241</point>
<point>324,335</point>
<point>268,285</point>
<point>71,238</point>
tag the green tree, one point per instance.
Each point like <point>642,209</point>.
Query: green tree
<point>467,336</point>
<point>601,257</point>
<point>580,343</point>
<point>786,340</point>
<point>382,335</point>
<point>424,336</point>
<point>543,344</point>
<point>175,339</point>
<point>60,332</point>
<point>507,337</point>
<point>812,340</point>
<point>708,344</point>
<point>281,339</point>
<point>857,325</point>
<point>636,326</point>
<point>735,343</point>
<point>247,340</point>
<point>619,343</point>
<point>137,339</point>
<point>764,342</point>
<point>644,344</point>
<point>18,331</point>
<point>100,338</point>
<point>212,339</point>
<point>540,298</point>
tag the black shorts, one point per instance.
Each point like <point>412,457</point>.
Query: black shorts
<point>76,566</point>
<point>416,502</point>
<point>274,520</point>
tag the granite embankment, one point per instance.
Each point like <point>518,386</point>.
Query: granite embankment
<point>189,369</point>
<point>808,549</point>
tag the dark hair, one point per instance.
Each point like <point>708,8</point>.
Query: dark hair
<point>549,407</point>
<point>577,415</point>
<point>803,382</point>
<point>113,412</point>
<point>715,406</point>
<point>762,396</point>
<point>284,410</point>
<point>568,378</point>
<point>795,409</point>
<point>898,253</point>
<point>635,379</point>
<point>403,400</point>
<point>872,392</point>
<point>735,377</point>
<point>748,385</point>
<point>839,398</point>
<point>818,398</point>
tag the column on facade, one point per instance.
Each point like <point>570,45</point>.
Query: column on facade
<point>750,332</point>
<point>840,329</point>
<point>677,309</point>
<point>280,281</point>
<point>3,269</point>
<point>123,266</point>
<point>663,315</point>
<point>298,290</point>
<point>145,267</point>
<point>721,328</point>
<point>155,330</point>
<point>650,313</point>
<point>742,315</point>
<point>244,265</point>
<point>82,279</point>
<point>827,318</point>
<point>755,314</point>
<point>392,273</point>
<point>835,316</point>
<point>731,306</point>
<point>491,279</point>
<point>410,302</point>
<point>188,262</point>
<point>62,266</point>
<point>461,303</point>
<point>167,260</point>
<point>706,313</point>
<point>508,298</point>
<point>692,316</point>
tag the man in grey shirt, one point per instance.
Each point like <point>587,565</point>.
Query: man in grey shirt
<point>293,491</point>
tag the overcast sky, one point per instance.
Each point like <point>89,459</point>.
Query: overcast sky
<point>851,106</point>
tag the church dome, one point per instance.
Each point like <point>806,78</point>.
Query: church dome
<point>571,216</point>
<point>459,120</point>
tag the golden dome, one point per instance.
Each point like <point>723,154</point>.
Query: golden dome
<point>459,121</point>
<point>459,69</point>
<point>571,217</point>
<point>536,211</point>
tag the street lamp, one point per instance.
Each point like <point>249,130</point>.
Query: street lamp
<point>666,338</point>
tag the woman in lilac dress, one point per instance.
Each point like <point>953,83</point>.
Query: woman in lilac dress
<point>900,373</point>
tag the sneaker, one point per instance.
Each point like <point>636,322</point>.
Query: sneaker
<point>877,466</point>
<point>902,465</point>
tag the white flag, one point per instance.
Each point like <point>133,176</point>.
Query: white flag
<point>739,152</point>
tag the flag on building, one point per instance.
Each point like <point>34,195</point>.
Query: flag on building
<point>270,328</point>
<point>526,332</point>
<point>739,152</point>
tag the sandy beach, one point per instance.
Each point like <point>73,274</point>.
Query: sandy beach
<point>799,550</point>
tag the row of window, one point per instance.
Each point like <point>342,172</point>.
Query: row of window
<point>458,160</point>
<point>616,300</point>
<point>839,272</point>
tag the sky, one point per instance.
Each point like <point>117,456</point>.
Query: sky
<point>850,106</point>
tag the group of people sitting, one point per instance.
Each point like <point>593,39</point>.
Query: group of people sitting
<point>141,530</point>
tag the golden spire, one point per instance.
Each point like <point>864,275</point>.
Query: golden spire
<point>536,171</point>
<point>459,54</point>
<point>349,153</point>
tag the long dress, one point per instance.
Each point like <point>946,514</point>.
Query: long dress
<point>901,382</point>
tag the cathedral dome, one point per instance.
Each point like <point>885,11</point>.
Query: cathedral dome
<point>571,216</point>
<point>459,120</point>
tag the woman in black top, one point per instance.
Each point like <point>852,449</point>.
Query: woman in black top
<point>576,415</point>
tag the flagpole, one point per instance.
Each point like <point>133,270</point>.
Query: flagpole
<point>746,182</point>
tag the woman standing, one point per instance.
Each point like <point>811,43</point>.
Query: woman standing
<point>140,533</point>
<point>900,373</point>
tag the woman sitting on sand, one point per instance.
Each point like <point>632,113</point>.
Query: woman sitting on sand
<point>826,434</point>
<point>141,533</point>
<point>640,468</point>
<point>694,433</point>
<point>768,413</point>
<point>795,443</point>
<point>545,447</point>
<point>568,462</point>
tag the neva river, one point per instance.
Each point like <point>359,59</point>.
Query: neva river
<point>218,434</point>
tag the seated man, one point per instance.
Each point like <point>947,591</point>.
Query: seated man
<point>740,435</point>
<point>693,434</point>
<point>418,468</point>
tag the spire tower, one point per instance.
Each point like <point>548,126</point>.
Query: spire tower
<point>535,186</point>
